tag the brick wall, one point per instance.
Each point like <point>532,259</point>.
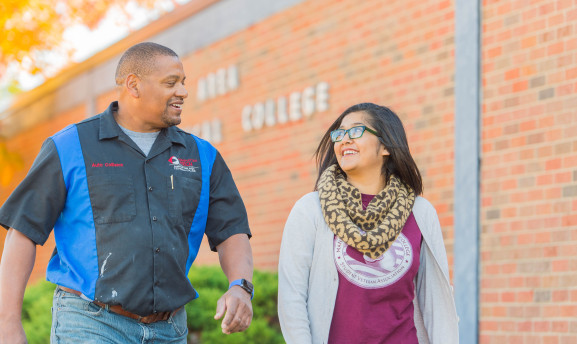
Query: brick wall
<point>396,53</point>
<point>400,54</point>
<point>529,173</point>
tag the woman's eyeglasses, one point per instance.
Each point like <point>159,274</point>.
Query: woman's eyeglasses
<point>354,133</point>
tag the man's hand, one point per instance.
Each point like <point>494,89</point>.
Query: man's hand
<point>237,305</point>
<point>12,332</point>
<point>235,257</point>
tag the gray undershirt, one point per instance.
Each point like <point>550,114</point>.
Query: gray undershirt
<point>144,141</point>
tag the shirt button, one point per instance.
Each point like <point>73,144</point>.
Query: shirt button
<point>157,250</point>
<point>154,218</point>
<point>150,188</point>
<point>156,283</point>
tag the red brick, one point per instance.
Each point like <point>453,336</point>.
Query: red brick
<point>563,4</point>
<point>556,48</point>
<point>551,340</point>
<point>563,177</point>
<point>489,326</point>
<point>555,20</point>
<point>516,282</point>
<point>492,53</point>
<point>525,296</point>
<point>524,326</point>
<point>564,90</point>
<point>543,237</point>
<point>532,311</point>
<point>542,326</point>
<point>570,161</point>
<point>553,193</point>
<point>560,266</point>
<point>572,14</point>
<point>545,151</point>
<point>553,164</point>
<point>550,252</point>
<point>573,298</point>
<point>568,311</point>
<point>525,239</point>
<point>571,44</point>
<point>512,74</point>
<point>546,8</point>
<point>544,179</point>
<point>565,61</point>
<point>533,282</point>
<point>571,73</point>
<point>560,296</point>
<point>520,86</point>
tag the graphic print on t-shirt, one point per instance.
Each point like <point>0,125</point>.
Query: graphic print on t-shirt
<point>369,273</point>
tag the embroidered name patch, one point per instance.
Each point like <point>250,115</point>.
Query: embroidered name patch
<point>107,164</point>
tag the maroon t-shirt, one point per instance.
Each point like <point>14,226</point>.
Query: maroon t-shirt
<point>375,297</point>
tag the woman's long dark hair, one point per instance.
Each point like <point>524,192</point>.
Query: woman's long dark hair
<point>391,134</point>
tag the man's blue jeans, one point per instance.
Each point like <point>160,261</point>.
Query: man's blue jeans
<point>75,320</point>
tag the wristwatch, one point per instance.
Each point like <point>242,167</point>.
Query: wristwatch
<point>244,284</point>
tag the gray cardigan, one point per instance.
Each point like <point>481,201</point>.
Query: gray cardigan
<point>308,278</point>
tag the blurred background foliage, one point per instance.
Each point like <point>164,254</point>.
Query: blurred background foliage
<point>10,163</point>
<point>33,28</point>
<point>209,281</point>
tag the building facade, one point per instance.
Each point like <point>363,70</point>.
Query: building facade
<point>487,92</point>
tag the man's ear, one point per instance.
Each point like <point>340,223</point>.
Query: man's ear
<point>132,83</point>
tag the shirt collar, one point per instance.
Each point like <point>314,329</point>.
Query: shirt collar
<point>108,126</point>
<point>110,129</point>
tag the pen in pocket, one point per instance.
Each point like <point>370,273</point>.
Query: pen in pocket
<point>172,181</point>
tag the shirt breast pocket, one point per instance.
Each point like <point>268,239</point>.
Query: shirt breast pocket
<point>112,198</point>
<point>183,198</point>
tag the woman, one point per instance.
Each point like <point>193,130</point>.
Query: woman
<point>362,258</point>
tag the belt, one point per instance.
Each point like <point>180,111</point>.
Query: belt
<point>149,319</point>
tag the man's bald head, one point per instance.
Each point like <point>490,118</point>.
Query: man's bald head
<point>139,59</point>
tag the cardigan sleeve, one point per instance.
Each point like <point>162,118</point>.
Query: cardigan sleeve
<point>296,255</point>
<point>434,291</point>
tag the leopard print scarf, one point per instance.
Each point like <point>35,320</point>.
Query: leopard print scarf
<point>371,231</point>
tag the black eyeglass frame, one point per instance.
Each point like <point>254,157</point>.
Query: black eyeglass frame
<point>348,132</point>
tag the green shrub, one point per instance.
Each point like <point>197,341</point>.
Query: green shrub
<point>209,281</point>
<point>36,314</point>
<point>259,332</point>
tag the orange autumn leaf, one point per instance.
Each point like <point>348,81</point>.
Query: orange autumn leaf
<point>31,27</point>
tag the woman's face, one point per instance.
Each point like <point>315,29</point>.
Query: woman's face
<point>362,156</point>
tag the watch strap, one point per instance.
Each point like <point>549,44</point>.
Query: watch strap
<point>240,283</point>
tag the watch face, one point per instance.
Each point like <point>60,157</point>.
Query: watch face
<point>246,285</point>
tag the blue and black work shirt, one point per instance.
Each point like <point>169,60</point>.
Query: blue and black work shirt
<point>127,226</point>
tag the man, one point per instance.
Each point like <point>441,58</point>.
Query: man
<point>129,196</point>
